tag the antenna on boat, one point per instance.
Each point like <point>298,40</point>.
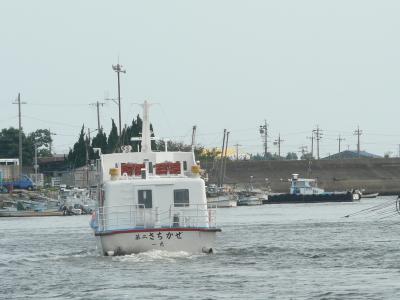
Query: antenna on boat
<point>146,133</point>
<point>194,137</point>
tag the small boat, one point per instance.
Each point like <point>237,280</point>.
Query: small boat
<point>374,195</point>
<point>249,201</point>
<point>76,201</point>
<point>303,190</point>
<point>220,198</point>
<point>152,201</point>
<point>29,208</point>
<point>251,197</point>
<point>223,201</point>
<point>30,213</point>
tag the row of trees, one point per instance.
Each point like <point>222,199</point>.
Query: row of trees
<point>289,156</point>
<point>82,151</point>
<point>9,143</point>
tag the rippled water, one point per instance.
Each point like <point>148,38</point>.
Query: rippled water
<point>304,251</point>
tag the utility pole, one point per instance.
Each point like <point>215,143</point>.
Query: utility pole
<point>312,143</point>
<point>358,133</point>
<point>237,151</point>
<point>264,135</point>
<point>303,150</point>
<point>340,139</point>
<point>118,69</point>
<point>87,156</point>
<point>225,156</point>
<point>278,142</point>
<point>51,141</point>
<point>18,101</point>
<point>318,137</point>
<point>36,166</point>
<point>222,159</point>
<point>194,137</point>
<point>98,104</point>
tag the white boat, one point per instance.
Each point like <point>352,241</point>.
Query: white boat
<point>219,197</point>
<point>251,196</point>
<point>373,195</point>
<point>222,201</point>
<point>152,200</point>
<point>249,201</point>
<point>76,200</point>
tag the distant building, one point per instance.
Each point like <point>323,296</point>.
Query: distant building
<point>349,154</point>
<point>53,165</point>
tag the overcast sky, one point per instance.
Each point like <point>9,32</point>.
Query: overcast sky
<point>217,64</point>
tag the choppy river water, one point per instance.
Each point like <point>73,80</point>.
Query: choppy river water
<point>302,251</point>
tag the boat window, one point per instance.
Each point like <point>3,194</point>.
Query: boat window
<point>184,165</point>
<point>181,198</point>
<point>145,198</point>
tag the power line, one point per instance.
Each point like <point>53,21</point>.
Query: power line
<point>53,122</point>
<point>358,133</point>
<point>57,104</point>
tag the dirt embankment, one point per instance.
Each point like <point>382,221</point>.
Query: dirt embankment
<point>373,175</point>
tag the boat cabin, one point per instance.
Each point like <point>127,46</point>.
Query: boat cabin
<point>303,186</point>
<point>151,189</point>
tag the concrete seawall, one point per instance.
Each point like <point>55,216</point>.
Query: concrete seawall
<point>373,175</point>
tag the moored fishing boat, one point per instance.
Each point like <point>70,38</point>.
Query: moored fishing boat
<point>220,198</point>
<point>152,200</point>
<point>223,201</point>
<point>251,197</point>
<point>304,190</point>
<point>369,196</point>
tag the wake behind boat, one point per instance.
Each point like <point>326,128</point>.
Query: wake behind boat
<point>152,200</point>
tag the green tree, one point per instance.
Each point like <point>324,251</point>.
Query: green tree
<point>9,145</point>
<point>291,156</point>
<point>77,155</point>
<point>138,132</point>
<point>42,138</point>
<point>113,138</point>
<point>261,156</point>
<point>100,141</point>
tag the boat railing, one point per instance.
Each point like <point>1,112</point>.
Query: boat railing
<point>137,216</point>
<point>114,217</point>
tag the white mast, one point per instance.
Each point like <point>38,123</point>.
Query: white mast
<point>146,133</point>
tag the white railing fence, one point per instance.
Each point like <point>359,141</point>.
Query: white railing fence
<point>137,216</point>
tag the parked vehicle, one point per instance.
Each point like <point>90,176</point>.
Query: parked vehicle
<point>24,183</point>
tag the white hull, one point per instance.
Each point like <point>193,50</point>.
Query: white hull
<point>250,201</point>
<point>222,203</point>
<point>169,239</point>
<point>370,195</point>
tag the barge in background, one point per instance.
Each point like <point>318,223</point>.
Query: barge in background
<point>304,190</point>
